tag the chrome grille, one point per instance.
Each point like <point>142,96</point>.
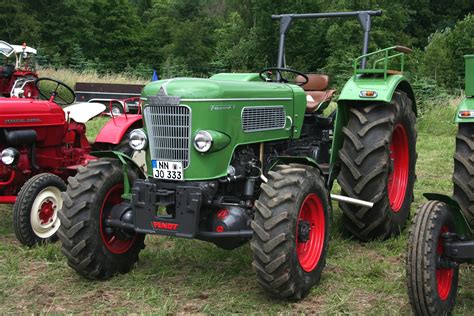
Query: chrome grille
<point>169,129</point>
<point>261,118</point>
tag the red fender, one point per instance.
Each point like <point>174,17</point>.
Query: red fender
<point>115,129</point>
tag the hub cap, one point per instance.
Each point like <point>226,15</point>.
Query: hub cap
<point>310,232</point>
<point>399,167</point>
<point>44,212</point>
<point>111,240</point>
<point>444,276</point>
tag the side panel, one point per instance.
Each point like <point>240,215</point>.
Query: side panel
<point>466,105</point>
<point>115,129</point>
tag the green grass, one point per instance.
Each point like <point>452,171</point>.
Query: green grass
<point>189,276</point>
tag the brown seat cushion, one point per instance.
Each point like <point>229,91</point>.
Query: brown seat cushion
<point>316,88</point>
<point>316,82</point>
<point>319,98</point>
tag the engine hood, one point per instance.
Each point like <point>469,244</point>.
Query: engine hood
<point>28,112</point>
<point>209,89</point>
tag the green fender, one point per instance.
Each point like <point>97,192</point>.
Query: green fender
<point>126,162</point>
<point>462,225</point>
<point>466,105</point>
<point>383,88</point>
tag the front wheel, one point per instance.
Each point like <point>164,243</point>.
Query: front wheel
<point>35,212</point>
<point>92,249</point>
<point>378,159</point>
<point>432,279</point>
<point>291,231</point>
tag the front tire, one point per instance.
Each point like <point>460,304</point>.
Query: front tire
<point>432,288</point>
<point>291,231</point>
<point>463,177</point>
<point>378,160</point>
<point>92,250</point>
<point>35,212</point>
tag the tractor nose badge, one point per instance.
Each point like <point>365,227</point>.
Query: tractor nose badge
<point>304,228</point>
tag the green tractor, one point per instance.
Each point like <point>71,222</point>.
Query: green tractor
<point>253,157</point>
<point>442,234</point>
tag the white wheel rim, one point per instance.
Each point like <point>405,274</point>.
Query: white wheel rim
<point>44,212</point>
<point>116,111</point>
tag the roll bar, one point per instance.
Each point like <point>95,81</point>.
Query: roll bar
<point>364,18</point>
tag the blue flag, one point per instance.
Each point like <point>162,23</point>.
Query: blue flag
<point>155,76</point>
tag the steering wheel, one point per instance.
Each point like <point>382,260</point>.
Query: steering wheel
<point>280,78</point>
<point>55,90</point>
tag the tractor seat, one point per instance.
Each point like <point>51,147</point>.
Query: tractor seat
<point>318,96</point>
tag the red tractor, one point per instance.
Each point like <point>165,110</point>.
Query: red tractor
<point>17,71</point>
<point>43,142</point>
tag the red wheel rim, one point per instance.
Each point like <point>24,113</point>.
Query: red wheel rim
<point>444,276</point>
<point>46,212</point>
<point>400,160</point>
<point>111,241</point>
<point>309,252</point>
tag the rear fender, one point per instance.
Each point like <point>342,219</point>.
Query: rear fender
<point>127,163</point>
<point>115,129</point>
<point>466,105</point>
<point>460,222</point>
<point>384,90</point>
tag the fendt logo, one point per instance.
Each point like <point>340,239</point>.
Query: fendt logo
<point>164,225</point>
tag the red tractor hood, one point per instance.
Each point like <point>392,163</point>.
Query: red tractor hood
<point>29,112</point>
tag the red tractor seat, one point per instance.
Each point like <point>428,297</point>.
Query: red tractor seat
<point>318,95</point>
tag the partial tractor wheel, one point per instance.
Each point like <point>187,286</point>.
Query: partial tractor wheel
<point>378,160</point>
<point>117,109</point>
<point>92,249</point>
<point>463,176</point>
<point>291,231</point>
<point>35,213</point>
<point>432,279</point>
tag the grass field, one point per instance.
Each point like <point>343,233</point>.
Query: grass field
<point>188,276</point>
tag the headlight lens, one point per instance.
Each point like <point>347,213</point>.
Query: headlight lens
<point>203,141</point>
<point>9,156</point>
<point>138,139</point>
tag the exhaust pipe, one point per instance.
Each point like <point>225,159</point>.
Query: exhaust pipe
<point>341,198</point>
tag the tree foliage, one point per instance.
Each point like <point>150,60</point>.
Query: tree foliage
<point>201,37</point>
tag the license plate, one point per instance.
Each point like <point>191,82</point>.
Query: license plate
<point>168,170</point>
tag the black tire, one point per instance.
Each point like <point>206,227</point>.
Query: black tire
<point>84,242</point>
<point>426,298</point>
<point>366,165</point>
<point>35,219</point>
<point>280,268</point>
<point>463,177</point>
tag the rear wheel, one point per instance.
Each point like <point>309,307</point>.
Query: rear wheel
<point>117,109</point>
<point>92,249</point>
<point>291,231</point>
<point>432,279</point>
<point>463,177</point>
<point>378,159</point>
<point>35,212</point>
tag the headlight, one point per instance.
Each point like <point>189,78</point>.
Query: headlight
<point>203,141</point>
<point>138,139</point>
<point>9,156</point>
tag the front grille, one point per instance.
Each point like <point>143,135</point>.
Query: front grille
<point>262,118</point>
<point>169,129</point>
